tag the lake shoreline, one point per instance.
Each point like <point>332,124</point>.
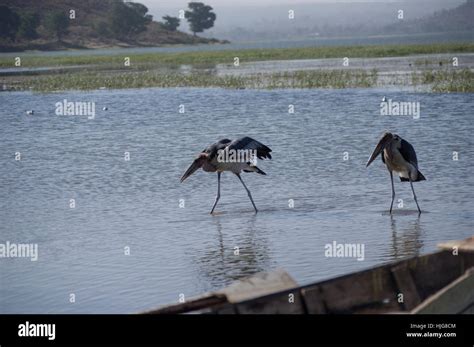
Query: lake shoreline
<point>437,68</point>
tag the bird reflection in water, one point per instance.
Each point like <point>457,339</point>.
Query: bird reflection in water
<point>406,239</point>
<point>223,263</point>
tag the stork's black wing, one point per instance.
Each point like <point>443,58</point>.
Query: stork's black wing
<point>263,152</point>
<point>408,153</point>
<point>212,149</point>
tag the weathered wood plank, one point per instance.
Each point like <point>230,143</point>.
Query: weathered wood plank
<point>313,300</point>
<point>466,245</point>
<point>434,271</point>
<point>457,297</point>
<point>406,286</point>
<point>192,305</point>
<point>225,309</point>
<point>289,302</point>
<point>258,285</point>
<point>367,290</point>
<point>469,310</point>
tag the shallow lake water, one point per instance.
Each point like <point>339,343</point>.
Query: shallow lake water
<point>135,204</point>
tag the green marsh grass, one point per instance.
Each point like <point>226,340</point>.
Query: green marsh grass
<point>227,56</point>
<point>448,81</point>
<point>145,79</point>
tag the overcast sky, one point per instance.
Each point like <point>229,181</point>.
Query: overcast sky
<point>270,17</point>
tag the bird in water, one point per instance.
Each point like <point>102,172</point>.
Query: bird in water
<point>235,156</point>
<point>399,156</point>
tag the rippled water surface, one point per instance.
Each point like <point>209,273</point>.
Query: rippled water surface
<point>175,250</point>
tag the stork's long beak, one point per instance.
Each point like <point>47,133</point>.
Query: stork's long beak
<point>192,169</point>
<point>379,148</point>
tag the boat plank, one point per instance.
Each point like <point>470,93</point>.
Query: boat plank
<point>434,271</point>
<point>192,305</point>
<point>406,286</point>
<point>313,300</point>
<point>289,302</point>
<point>260,284</point>
<point>372,289</point>
<point>466,245</point>
<point>457,297</point>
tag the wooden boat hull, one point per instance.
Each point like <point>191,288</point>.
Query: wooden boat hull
<point>440,282</point>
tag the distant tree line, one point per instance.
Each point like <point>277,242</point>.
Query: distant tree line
<point>13,25</point>
<point>199,16</point>
<point>125,20</point>
<point>24,25</point>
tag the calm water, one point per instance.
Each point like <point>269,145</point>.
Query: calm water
<point>177,250</point>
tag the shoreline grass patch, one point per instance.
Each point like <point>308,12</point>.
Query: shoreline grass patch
<point>246,55</point>
<point>147,79</point>
<point>448,81</point>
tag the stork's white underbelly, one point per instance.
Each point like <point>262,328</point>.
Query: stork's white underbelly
<point>397,164</point>
<point>236,167</point>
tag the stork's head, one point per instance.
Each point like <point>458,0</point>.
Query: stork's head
<point>197,163</point>
<point>386,138</point>
<point>397,139</point>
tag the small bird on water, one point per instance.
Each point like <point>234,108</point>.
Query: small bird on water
<point>399,156</point>
<point>210,160</point>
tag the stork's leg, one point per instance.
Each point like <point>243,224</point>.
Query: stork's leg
<point>248,192</point>
<point>218,196</point>
<point>414,195</point>
<point>393,191</point>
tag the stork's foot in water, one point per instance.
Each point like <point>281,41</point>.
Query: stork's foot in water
<point>401,212</point>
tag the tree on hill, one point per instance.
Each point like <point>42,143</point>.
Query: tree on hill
<point>57,23</point>
<point>9,23</point>
<point>171,23</point>
<point>200,17</point>
<point>28,23</point>
<point>128,19</point>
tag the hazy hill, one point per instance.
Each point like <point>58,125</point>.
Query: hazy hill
<point>89,29</point>
<point>460,18</point>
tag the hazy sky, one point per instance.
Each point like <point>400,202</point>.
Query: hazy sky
<point>237,19</point>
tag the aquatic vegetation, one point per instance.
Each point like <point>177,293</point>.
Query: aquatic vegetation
<point>438,81</point>
<point>144,79</point>
<point>198,69</point>
<point>227,56</point>
<point>447,81</point>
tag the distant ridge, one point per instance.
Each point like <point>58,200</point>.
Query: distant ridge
<point>84,30</point>
<point>460,18</point>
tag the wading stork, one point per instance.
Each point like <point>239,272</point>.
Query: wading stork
<point>212,159</point>
<point>399,156</point>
